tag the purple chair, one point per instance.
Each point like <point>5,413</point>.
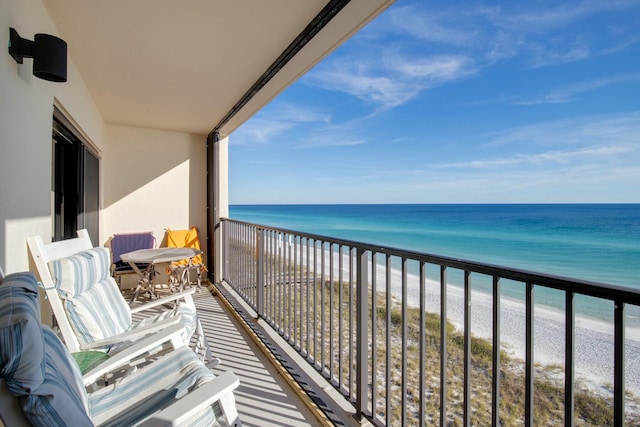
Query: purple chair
<point>128,242</point>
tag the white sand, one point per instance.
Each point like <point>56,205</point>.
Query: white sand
<point>593,337</point>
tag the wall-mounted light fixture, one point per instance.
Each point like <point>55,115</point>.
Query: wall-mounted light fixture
<point>49,55</point>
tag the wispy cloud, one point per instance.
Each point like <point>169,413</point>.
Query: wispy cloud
<point>541,34</point>
<point>602,143</point>
<point>569,92</point>
<point>546,17</point>
<point>392,79</point>
<point>431,70</point>
<point>478,56</point>
<point>277,120</point>
<point>587,130</point>
<point>437,26</point>
<point>461,41</point>
<point>545,55</point>
<point>558,157</point>
<point>346,134</point>
<point>338,140</point>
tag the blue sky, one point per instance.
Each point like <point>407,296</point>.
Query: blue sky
<point>458,102</point>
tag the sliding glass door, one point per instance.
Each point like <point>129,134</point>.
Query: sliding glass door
<point>75,182</point>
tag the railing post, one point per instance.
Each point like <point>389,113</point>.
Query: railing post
<point>495,388</point>
<point>362,330</point>
<point>224,268</point>
<point>618,365</point>
<point>260,271</point>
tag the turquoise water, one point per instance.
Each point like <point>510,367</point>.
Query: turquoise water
<point>596,242</point>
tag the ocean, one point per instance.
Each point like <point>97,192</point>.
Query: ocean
<point>595,242</point>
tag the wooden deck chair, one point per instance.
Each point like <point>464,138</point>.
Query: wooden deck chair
<point>41,385</point>
<point>90,309</point>
<point>180,271</point>
<point>128,242</point>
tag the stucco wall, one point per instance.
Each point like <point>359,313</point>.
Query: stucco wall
<point>26,108</point>
<point>150,179</point>
<point>154,180</point>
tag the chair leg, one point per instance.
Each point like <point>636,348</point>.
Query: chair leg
<point>199,271</point>
<point>185,278</point>
<point>202,344</point>
<point>136,292</point>
<point>228,406</point>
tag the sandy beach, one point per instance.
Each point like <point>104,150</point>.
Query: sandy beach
<point>593,337</point>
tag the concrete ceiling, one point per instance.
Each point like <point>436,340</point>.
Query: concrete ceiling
<point>183,64</point>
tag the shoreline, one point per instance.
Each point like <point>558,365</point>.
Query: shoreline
<point>593,337</point>
<point>594,341</point>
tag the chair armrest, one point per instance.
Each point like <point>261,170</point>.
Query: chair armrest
<point>135,334</point>
<point>141,347</point>
<point>164,300</point>
<point>181,412</point>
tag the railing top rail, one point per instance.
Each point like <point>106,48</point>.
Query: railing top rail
<point>595,289</point>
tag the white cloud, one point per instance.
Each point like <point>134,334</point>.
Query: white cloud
<point>277,120</point>
<point>336,141</point>
<point>260,130</point>
<point>587,130</point>
<point>436,26</point>
<point>554,16</point>
<point>433,69</point>
<point>569,92</point>
<point>545,55</point>
<point>392,81</point>
<point>580,182</point>
<point>432,46</point>
<point>542,34</point>
<point>556,156</point>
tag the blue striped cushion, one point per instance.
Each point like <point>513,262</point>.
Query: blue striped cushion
<point>151,389</point>
<point>77,273</point>
<point>187,320</point>
<point>22,348</point>
<point>61,399</point>
<point>89,318</point>
<point>84,283</point>
<point>20,285</point>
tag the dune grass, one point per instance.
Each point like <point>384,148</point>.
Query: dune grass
<point>591,408</point>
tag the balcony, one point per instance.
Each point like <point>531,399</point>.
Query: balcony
<point>311,299</point>
<point>264,397</point>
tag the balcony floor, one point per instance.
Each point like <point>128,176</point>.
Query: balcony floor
<point>270,392</point>
<point>263,398</point>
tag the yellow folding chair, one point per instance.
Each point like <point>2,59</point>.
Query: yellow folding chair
<point>180,271</point>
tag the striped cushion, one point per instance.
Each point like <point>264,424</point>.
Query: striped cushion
<point>61,399</point>
<point>86,288</point>
<point>84,283</point>
<point>22,348</point>
<point>76,274</point>
<point>89,318</point>
<point>10,409</point>
<point>187,320</point>
<point>150,389</point>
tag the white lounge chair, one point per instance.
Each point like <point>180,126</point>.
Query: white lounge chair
<point>88,306</point>
<point>41,385</point>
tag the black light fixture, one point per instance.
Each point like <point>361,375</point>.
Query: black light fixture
<point>49,55</point>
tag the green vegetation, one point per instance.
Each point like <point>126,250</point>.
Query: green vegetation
<point>298,303</point>
<point>590,409</point>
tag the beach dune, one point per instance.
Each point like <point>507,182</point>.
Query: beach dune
<point>594,340</point>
